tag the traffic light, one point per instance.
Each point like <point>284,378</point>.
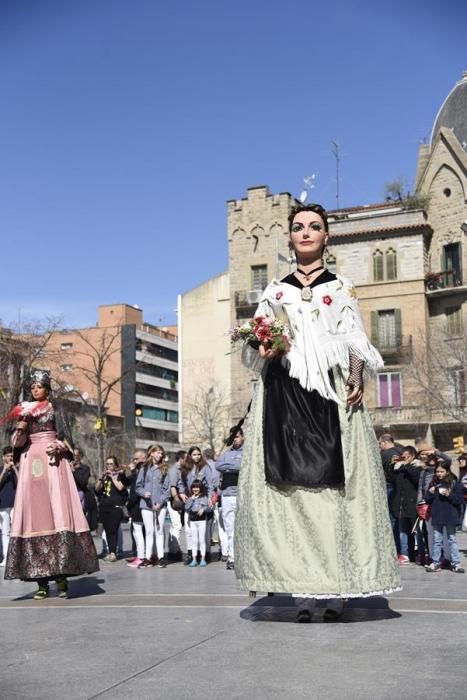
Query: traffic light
<point>99,425</point>
<point>458,443</point>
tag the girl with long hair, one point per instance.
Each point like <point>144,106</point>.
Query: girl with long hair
<point>445,495</point>
<point>152,488</point>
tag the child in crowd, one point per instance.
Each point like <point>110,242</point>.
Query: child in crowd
<point>196,507</point>
<point>445,494</point>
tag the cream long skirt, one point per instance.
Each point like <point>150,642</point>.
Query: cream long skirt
<point>320,543</point>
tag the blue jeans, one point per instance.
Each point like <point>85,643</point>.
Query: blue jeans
<point>438,542</point>
<point>405,530</point>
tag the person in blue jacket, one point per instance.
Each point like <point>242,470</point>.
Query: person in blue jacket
<point>445,495</point>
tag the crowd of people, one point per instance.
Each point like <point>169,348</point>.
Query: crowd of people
<point>160,501</point>
<point>195,494</point>
<point>427,503</point>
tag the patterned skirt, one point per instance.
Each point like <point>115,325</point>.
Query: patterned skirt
<point>316,542</point>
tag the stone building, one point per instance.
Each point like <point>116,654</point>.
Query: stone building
<point>406,259</point>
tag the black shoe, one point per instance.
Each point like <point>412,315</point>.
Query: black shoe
<point>145,564</point>
<point>207,558</point>
<point>332,615</point>
<point>188,558</point>
<point>174,556</point>
<point>162,563</point>
<point>304,616</point>
<point>230,565</point>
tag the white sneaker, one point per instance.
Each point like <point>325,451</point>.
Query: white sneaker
<point>3,563</point>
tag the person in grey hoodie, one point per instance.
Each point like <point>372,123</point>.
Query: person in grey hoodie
<point>152,488</point>
<point>228,465</point>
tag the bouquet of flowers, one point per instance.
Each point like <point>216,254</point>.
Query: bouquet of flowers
<point>272,334</point>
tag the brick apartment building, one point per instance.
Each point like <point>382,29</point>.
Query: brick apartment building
<point>139,366</point>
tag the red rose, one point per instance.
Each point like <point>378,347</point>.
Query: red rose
<point>327,300</point>
<point>263,333</point>
<point>279,295</point>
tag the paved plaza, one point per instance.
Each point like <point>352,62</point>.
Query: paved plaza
<point>191,633</point>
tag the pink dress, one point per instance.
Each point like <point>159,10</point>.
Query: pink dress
<point>49,535</point>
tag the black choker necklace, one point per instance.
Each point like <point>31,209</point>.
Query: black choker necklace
<point>308,274</point>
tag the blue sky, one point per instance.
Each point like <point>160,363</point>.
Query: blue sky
<point>125,127</point>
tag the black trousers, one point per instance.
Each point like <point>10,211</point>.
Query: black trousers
<point>111,517</point>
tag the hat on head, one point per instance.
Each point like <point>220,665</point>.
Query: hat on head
<point>40,376</point>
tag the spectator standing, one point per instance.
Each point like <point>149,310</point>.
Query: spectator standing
<point>228,465</point>
<point>430,460</point>
<point>152,488</point>
<point>81,474</point>
<point>405,475</point>
<point>390,453</point>
<point>445,494</point>
<point>217,503</point>
<point>134,510</point>
<point>112,493</point>
<point>8,483</point>
<point>196,506</point>
<point>175,506</point>
<point>196,467</point>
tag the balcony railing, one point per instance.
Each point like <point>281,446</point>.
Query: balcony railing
<point>400,414</point>
<point>445,279</point>
<point>398,353</point>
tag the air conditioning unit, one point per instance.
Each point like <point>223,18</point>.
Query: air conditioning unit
<point>254,296</point>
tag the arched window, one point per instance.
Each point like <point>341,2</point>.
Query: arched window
<point>391,264</point>
<point>378,266</point>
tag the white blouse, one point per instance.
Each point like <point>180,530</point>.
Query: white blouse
<point>324,330</point>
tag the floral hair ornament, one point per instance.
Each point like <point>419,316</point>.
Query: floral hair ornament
<point>42,377</point>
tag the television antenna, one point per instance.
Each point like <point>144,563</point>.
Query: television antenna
<point>336,152</point>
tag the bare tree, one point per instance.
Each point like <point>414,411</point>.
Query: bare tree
<point>93,364</point>
<point>439,369</point>
<point>207,417</point>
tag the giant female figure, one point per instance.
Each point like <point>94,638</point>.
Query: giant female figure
<point>50,537</point>
<point>312,515</point>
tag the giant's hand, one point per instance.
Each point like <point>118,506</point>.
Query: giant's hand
<point>266,354</point>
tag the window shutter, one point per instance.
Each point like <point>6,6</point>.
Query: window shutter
<point>398,316</point>
<point>374,328</point>
<point>378,266</point>
<point>391,264</point>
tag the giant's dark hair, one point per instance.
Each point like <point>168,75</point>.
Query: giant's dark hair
<point>316,208</point>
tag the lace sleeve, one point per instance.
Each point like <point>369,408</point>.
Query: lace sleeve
<point>356,366</point>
